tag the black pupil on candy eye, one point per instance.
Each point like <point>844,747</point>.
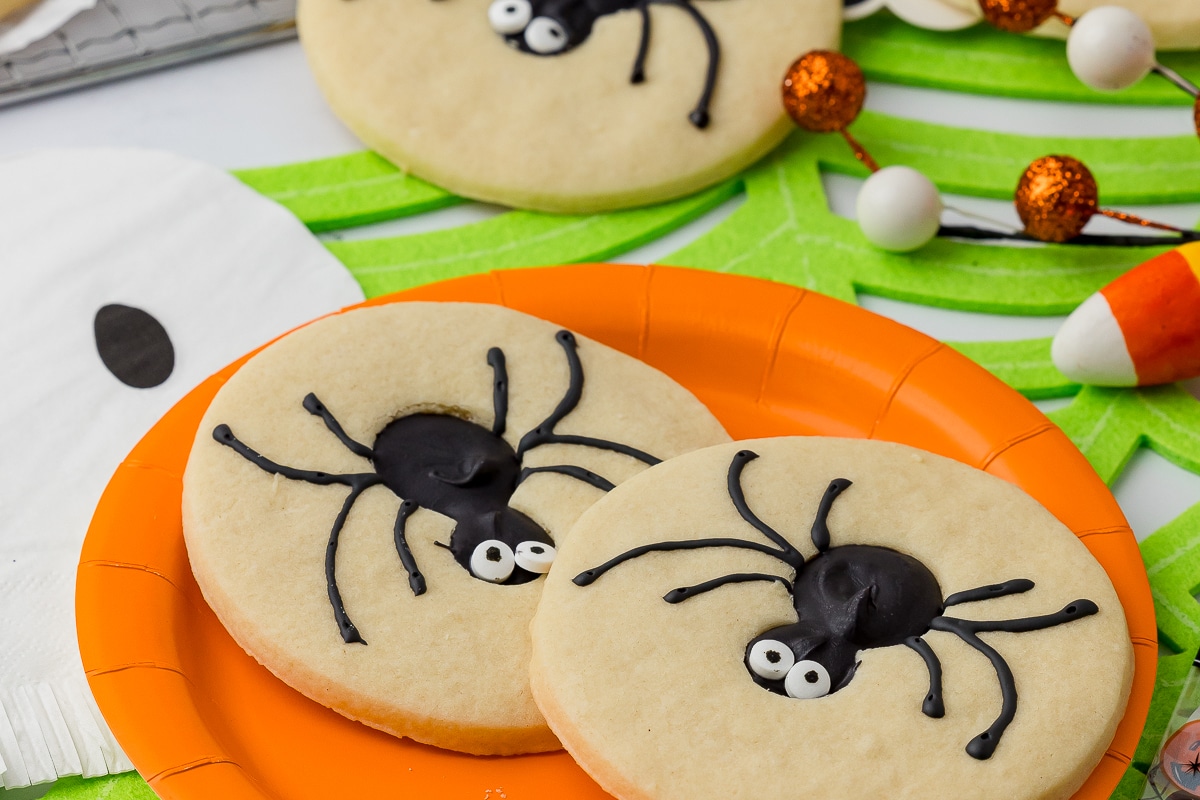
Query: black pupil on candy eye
<point>537,550</point>
<point>811,676</point>
<point>493,554</point>
<point>773,656</point>
<point>133,345</point>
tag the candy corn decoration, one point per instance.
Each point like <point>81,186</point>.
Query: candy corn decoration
<point>1142,329</point>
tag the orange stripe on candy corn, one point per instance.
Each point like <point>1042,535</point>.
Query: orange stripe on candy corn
<point>1157,306</point>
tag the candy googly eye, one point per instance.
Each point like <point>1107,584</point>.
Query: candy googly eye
<point>492,560</point>
<point>770,659</point>
<point>535,556</point>
<point>509,16</point>
<point>545,36</point>
<point>807,680</point>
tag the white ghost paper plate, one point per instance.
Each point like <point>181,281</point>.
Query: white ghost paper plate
<point>126,278</point>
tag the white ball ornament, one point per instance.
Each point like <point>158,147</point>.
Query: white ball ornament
<point>899,209</point>
<point>1110,48</point>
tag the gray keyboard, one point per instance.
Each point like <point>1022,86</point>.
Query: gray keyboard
<point>118,38</point>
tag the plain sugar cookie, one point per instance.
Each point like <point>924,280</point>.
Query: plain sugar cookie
<point>534,103</point>
<point>817,617</point>
<point>372,501</point>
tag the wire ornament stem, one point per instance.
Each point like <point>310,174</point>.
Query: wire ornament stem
<point>860,152</point>
<point>1177,79</point>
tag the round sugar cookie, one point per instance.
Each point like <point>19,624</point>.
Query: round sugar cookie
<point>455,91</point>
<point>350,514</point>
<point>789,642</point>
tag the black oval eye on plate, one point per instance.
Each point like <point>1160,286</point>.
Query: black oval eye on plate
<point>133,345</point>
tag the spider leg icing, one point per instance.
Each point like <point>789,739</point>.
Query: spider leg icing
<point>315,407</point>
<point>579,473</point>
<point>699,115</point>
<point>785,552</point>
<point>358,480</point>
<point>544,433</point>
<point>350,633</point>
<point>741,458</point>
<point>358,483</point>
<point>984,745</point>
<point>495,358</point>
<point>688,592</point>
<point>932,706</point>
<point>639,64</point>
<point>588,577</point>
<point>988,592</point>
<point>820,526</point>
<point>416,581</point>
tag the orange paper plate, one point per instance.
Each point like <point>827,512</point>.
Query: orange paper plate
<point>203,720</point>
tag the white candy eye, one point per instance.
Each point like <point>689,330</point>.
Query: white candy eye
<point>509,16</point>
<point>807,680</point>
<point>545,36</point>
<point>771,659</point>
<point>535,556</point>
<point>492,561</point>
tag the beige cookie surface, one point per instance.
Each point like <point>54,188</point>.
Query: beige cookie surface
<point>431,86</point>
<point>1174,23</point>
<point>448,666</point>
<point>9,6</point>
<point>655,699</point>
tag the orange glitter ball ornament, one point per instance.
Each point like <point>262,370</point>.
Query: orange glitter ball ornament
<point>1056,197</point>
<point>823,91</point>
<point>1018,16</point>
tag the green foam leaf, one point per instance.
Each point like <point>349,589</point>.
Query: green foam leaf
<point>127,786</point>
<point>515,239</point>
<point>984,60</point>
<point>1024,365</point>
<point>346,191</point>
<point>1172,556</point>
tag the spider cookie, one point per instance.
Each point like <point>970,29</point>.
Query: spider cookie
<point>371,503</point>
<point>564,105</point>
<point>813,617</point>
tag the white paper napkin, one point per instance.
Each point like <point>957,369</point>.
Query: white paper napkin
<point>37,22</point>
<point>223,270</point>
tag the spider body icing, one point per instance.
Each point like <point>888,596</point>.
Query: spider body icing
<point>457,468</point>
<point>554,27</point>
<point>851,598</point>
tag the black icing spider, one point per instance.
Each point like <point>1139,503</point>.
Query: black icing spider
<point>457,468</point>
<point>851,598</point>
<point>552,27</point>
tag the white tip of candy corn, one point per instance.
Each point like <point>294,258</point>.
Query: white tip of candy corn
<point>1090,347</point>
